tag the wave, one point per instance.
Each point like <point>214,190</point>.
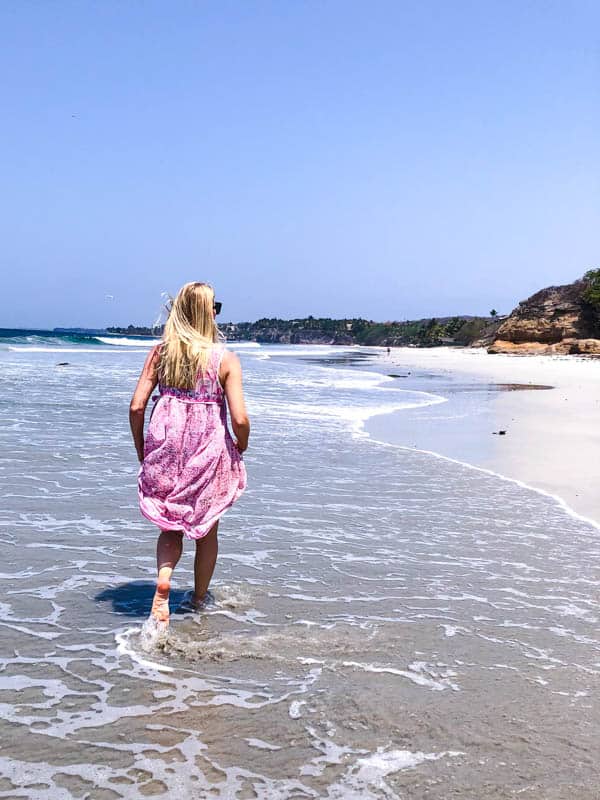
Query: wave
<point>146,341</point>
<point>243,345</point>
<point>127,341</point>
<point>53,341</point>
<point>306,350</point>
<point>354,416</point>
<point>27,338</point>
<point>57,342</point>
<point>338,380</point>
<point>25,349</point>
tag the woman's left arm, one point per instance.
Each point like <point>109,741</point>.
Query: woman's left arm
<point>137,408</point>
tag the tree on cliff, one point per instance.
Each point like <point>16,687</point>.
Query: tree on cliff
<point>591,299</point>
<point>591,293</point>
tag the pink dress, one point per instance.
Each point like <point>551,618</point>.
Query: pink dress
<point>192,471</point>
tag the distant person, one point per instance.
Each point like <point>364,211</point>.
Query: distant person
<point>192,469</point>
<point>388,351</point>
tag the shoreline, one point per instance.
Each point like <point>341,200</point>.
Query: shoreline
<point>552,439</point>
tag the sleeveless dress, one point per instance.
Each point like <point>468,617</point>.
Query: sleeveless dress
<point>192,471</point>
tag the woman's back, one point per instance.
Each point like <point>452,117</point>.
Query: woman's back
<point>208,387</point>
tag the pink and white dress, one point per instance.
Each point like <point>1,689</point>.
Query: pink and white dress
<point>192,471</point>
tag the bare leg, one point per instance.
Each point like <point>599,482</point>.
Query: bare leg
<point>168,553</point>
<point>207,549</point>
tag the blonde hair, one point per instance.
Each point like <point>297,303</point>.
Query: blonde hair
<point>189,335</point>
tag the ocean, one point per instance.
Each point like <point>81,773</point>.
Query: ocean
<point>386,623</point>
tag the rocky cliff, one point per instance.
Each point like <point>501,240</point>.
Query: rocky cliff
<point>559,319</point>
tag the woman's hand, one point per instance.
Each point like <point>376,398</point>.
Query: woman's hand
<point>241,447</point>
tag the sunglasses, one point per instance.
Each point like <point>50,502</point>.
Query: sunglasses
<point>217,307</point>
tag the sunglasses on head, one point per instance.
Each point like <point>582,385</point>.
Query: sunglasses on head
<point>217,307</point>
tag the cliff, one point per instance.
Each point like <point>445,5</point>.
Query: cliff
<point>558,319</point>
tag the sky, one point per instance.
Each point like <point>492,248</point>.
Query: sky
<point>389,160</point>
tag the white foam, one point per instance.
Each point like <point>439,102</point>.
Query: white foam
<point>296,350</point>
<point>355,415</point>
<point>418,673</point>
<point>124,648</point>
<point>243,345</point>
<point>30,632</point>
<point>331,753</point>
<point>122,341</point>
<point>153,633</point>
<point>262,745</point>
<point>337,379</point>
<point>365,780</point>
<point>253,560</point>
<point>295,709</point>
<point>39,349</point>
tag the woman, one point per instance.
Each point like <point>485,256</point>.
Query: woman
<point>192,469</point>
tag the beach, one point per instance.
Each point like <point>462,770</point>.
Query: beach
<point>387,623</point>
<point>552,435</point>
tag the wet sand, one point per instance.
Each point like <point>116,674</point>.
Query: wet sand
<point>552,439</point>
<point>386,625</point>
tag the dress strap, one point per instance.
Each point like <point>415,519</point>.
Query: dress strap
<point>219,353</point>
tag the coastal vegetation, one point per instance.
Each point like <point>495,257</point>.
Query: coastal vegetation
<point>429,332</point>
<point>591,300</point>
<point>591,293</point>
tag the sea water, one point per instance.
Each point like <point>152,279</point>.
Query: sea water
<point>384,623</point>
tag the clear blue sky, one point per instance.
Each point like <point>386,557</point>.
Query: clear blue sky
<point>382,159</point>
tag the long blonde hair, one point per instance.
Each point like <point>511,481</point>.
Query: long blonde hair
<point>189,335</point>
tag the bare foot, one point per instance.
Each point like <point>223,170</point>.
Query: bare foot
<point>199,600</point>
<point>160,604</point>
<point>192,603</point>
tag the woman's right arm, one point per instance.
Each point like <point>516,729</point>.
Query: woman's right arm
<point>230,376</point>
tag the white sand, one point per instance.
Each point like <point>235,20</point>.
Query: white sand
<point>552,439</point>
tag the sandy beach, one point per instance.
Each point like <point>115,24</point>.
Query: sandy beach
<point>552,439</point>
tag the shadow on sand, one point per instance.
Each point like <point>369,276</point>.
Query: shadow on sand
<point>135,599</point>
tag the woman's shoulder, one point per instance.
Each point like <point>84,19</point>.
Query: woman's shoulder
<point>155,351</point>
<point>228,356</point>
<point>228,361</point>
